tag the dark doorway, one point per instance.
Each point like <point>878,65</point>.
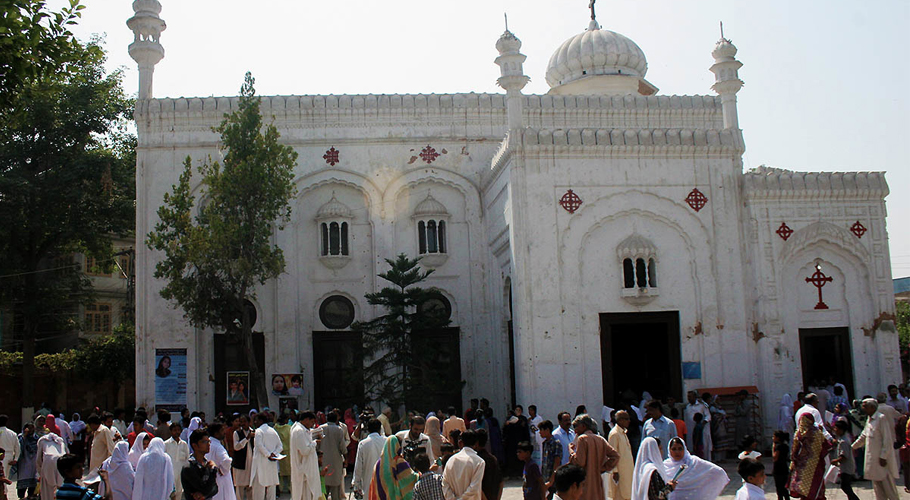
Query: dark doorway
<point>229,356</point>
<point>825,354</point>
<point>337,369</point>
<point>439,369</point>
<point>640,352</point>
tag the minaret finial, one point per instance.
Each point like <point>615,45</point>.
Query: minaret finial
<point>146,48</point>
<point>721,30</point>
<point>591,6</point>
<point>505,15</point>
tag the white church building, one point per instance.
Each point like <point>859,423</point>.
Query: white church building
<point>595,239</point>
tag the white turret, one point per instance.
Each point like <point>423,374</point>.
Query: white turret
<point>727,84</point>
<point>513,79</point>
<point>145,49</point>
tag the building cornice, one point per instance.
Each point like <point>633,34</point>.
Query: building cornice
<point>768,183</point>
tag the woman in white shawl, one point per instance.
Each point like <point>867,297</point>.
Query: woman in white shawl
<point>701,480</point>
<point>155,474</point>
<point>195,423</point>
<point>650,477</point>
<point>120,473</point>
<point>785,414</point>
<point>139,445</point>
<point>50,448</point>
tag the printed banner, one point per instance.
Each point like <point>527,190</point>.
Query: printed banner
<point>287,384</point>
<point>170,379</point>
<point>238,388</point>
<point>288,404</point>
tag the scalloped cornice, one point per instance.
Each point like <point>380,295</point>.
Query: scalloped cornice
<point>777,183</point>
<point>669,140</point>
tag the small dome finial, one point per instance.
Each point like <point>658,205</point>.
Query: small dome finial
<point>593,24</point>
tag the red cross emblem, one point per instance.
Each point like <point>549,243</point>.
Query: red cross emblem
<point>858,229</point>
<point>331,156</point>
<point>784,231</point>
<point>696,199</point>
<point>570,201</point>
<point>429,154</point>
<point>819,280</point>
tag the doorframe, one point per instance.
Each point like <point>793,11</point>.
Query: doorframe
<point>846,348</point>
<point>674,348</point>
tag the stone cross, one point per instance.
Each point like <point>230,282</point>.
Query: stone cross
<point>819,280</point>
<point>591,6</point>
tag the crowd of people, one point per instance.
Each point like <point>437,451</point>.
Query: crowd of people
<point>637,452</point>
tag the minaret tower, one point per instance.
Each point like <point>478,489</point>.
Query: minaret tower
<point>513,79</point>
<point>727,82</point>
<point>145,49</point>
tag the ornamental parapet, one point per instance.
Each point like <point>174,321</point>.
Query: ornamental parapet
<point>777,183</point>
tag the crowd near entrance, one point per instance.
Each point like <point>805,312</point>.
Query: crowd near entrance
<point>825,353</point>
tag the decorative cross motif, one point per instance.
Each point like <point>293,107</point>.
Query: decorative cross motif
<point>570,201</point>
<point>819,280</point>
<point>428,154</point>
<point>331,156</point>
<point>858,229</point>
<point>784,231</point>
<point>696,200</point>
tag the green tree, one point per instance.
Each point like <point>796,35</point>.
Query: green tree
<point>34,43</point>
<point>213,261</point>
<point>67,182</point>
<point>394,372</point>
<point>902,312</point>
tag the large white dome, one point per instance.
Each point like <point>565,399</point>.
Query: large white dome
<point>595,52</point>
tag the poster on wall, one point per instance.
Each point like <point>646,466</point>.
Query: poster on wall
<point>170,379</point>
<point>238,388</point>
<point>287,384</point>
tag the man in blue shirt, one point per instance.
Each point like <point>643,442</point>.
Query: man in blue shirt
<point>71,468</point>
<point>658,427</point>
<point>564,434</point>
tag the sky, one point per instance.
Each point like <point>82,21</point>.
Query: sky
<point>827,82</point>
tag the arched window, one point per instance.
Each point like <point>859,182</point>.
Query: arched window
<point>335,238</point>
<point>652,273</point>
<point>431,236</point>
<point>334,229</point>
<point>640,273</point>
<point>628,273</point>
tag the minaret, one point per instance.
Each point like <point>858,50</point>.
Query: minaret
<point>726,72</point>
<point>145,49</point>
<point>513,79</point>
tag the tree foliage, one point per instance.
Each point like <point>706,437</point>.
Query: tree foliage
<point>902,311</point>
<point>394,373</point>
<point>67,182</point>
<point>213,261</point>
<point>34,43</point>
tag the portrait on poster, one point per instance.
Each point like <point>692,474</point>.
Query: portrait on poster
<point>170,379</point>
<point>238,388</point>
<point>287,384</point>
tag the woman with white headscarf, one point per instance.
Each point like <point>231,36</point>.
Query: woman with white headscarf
<point>120,475</point>
<point>650,477</point>
<point>50,447</point>
<point>155,474</point>
<point>139,445</point>
<point>195,423</point>
<point>699,480</point>
<point>785,414</point>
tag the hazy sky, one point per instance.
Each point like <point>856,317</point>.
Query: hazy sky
<point>827,82</point>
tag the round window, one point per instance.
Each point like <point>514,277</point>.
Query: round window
<point>437,305</point>
<point>336,312</point>
<point>238,322</point>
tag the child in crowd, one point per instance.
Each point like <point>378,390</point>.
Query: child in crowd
<point>753,474</point>
<point>447,451</point>
<point>681,430</point>
<point>3,480</point>
<point>551,455</point>
<point>533,487</point>
<point>323,472</point>
<point>781,469</point>
<point>429,486</point>
<point>71,468</point>
<point>748,446</point>
<point>845,459</point>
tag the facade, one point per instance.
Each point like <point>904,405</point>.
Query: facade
<point>595,240</point>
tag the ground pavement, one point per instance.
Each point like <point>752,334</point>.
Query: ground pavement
<point>863,489</point>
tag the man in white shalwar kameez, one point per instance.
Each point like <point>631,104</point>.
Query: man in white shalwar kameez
<point>880,460</point>
<point>305,482</point>
<point>697,406</point>
<point>50,448</point>
<point>218,454</point>
<point>266,447</point>
<point>154,473</point>
<point>369,450</point>
<point>176,448</point>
